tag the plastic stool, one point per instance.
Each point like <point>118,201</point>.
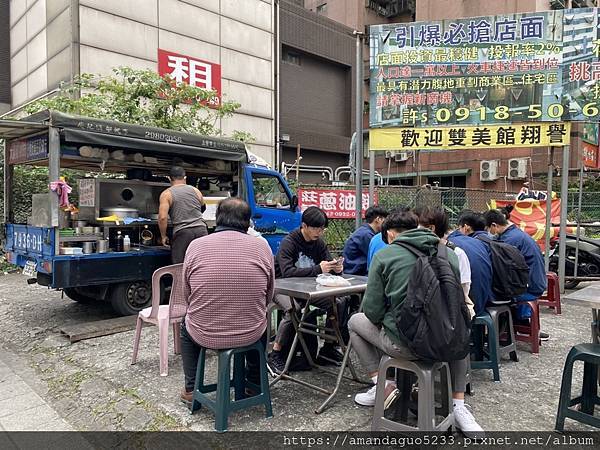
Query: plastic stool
<point>590,355</point>
<point>552,296</point>
<point>483,359</point>
<point>510,346</point>
<point>222,406</point>
<point>425,373</point>
<point>530,333</point>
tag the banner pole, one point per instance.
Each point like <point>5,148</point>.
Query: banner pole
<point>564,199</point>
<point>578,217</point>
<point>359,129</point>
<point>549,228</point>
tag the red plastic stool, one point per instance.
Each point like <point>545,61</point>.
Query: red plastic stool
<point>552,296</point>
<point>530,333</point>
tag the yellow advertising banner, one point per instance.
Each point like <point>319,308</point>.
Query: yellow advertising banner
<point>540,134</point>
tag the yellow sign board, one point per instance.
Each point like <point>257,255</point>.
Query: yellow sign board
<point>540,134</point>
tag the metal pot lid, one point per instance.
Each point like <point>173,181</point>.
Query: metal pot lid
<point>120,209</point>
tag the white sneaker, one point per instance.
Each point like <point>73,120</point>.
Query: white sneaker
<point>464,421</point>
<point>368,398</point>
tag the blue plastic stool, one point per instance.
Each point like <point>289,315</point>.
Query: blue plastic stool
<point>482,359</point>
<point>222,406</point>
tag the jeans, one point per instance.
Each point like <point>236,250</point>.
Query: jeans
<point>523,310</point>
<point>190,351</point>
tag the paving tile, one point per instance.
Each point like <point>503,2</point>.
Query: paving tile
<point>30,419</point>
<point>19,403</point>
<point>12,389</point>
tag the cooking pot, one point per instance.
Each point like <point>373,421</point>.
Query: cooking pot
<point>119,211</point>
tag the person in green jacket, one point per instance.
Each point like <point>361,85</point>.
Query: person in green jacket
<point>373,332</point>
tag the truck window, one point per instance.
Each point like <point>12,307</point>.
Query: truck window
<point>269,192</point>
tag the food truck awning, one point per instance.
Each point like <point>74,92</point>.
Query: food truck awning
<point>109,133</point>
<point>14,129</point>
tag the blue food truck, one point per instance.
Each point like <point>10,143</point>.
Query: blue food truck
<point>120,172</point>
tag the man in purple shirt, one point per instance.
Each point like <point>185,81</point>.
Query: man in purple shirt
<point>228,280</point>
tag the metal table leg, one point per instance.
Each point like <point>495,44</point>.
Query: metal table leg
<point>301,327</point>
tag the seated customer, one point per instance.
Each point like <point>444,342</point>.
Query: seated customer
<point>303,253</point>
<point>373,332</point>
<point>228,281</point>
<point>357,245</point>
<point>497,223</point>
<point>470,224</point>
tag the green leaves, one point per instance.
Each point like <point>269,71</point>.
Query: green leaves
<point>142,97</point>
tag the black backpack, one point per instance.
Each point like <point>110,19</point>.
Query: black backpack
<point>510,271</point>
<point>434,321</point>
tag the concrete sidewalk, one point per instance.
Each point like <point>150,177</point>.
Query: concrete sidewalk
<point>21,409</point>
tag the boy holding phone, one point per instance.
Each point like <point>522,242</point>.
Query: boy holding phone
<point>303,253</point>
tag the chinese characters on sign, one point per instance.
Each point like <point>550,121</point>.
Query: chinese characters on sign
<point>497,69</point>
<point>590,155</point>
<point>471,137</point>
<point>25,150</point>
<point>193,71</point>
<point>337,204</point>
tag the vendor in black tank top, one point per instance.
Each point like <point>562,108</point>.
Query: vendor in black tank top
<point>183,204</point>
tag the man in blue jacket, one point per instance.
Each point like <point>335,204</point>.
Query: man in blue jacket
<point>470,225</point>
<point>357,245</point>
<point>498,224</point>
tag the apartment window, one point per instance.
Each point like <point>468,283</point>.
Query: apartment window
<point>292,58</point>
<point>322,8</point>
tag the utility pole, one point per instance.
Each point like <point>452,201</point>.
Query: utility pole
<point>564,198</point>
<point>359,130</point>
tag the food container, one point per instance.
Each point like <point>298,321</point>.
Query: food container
<point>79,223</point>
<point>88,247</point>
<point>120,211</point>
<point>87,230</point>
<point>79,230</point>
<point>71,250</point>
<point>102,246</point>
<point>97,230</point>
<point>147,237</point>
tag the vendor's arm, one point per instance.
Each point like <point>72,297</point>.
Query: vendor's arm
<point>163,215</point>
<point>201,198</point>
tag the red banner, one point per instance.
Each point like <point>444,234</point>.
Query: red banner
<point>590,155</point>
<point>337,203</point>
<point>193,71</point>
<point>530,216</point>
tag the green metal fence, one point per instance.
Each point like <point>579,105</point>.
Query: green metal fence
<point>453,200</point>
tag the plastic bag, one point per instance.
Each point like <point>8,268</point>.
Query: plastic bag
<point>326,279</point>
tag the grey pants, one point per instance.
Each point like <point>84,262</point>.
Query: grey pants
<point>371,342</point>
<point>285,332</point>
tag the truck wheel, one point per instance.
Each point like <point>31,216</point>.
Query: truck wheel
<point>78,297</point>
<point>130,298</point>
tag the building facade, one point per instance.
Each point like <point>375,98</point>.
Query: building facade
<point>317,76</point>
<point>51,41</point>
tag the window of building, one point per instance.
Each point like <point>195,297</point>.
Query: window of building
<point>292,58</point>
<point>322,8</point>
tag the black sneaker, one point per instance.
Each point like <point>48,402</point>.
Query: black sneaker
<point>276,361</point>
<point>544,336</point>
<point>329,355</point>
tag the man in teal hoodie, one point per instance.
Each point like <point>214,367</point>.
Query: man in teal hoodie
<point>373,332</point>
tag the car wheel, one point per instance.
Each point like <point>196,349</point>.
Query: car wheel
<point>571,284</point>
<point>131,297</point>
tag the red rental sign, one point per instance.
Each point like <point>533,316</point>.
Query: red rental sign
<point>337,203</point>
<point>590,155</point>
<point>193,71</point>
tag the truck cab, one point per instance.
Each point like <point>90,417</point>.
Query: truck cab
<point>117,172</point>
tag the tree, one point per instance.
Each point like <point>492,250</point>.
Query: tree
<point>142,97</point>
